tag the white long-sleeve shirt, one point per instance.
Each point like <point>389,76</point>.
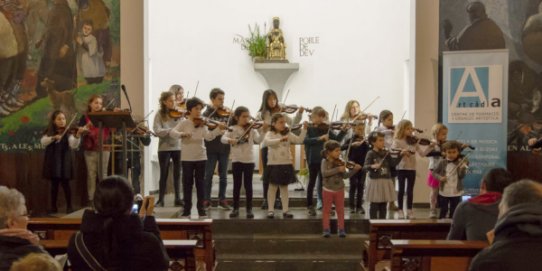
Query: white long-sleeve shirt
<point>407,162</point>
<point>193,147</point>
<point>241,152</point>
<point>72,141</point>
<point>279,151</point>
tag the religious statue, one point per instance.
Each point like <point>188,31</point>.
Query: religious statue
<point>276,49</point>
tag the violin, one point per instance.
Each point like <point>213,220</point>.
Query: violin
<point>182,105</point>
<point>412,140</point>
<point>363,116</point>
<point>177,113</point>
<point>246,134</point>
<point>289,109</point>
<point>142,131</point>
<point>287,130</point>
<point>198,122</point>
<point>64,130</point>
<point>341,163</point>
<point>254,124</point>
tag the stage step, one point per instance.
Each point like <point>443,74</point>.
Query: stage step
<point>287,244</point>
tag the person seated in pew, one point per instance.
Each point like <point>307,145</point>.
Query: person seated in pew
<point>16,241</point>
<point>474,218</point>
<point>36,262</point>
<point>116,238</point>
<point>517,242</point>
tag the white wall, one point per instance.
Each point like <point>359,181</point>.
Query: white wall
<point>362,51</point>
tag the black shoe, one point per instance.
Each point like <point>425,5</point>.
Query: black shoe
<point>287,215</point>
<point>249,213</point>
<point>361,210</point>
<point>178,203</point>
<point>159,203</point>
<point>278,204</point>
<point>312,212</point>
<point>186,214</point>
<point>202,213</point>
<point>264,205</point>
<point>352,210</point>
<point>53,211</point>
<point>234,213</point>
<point>69,210</point>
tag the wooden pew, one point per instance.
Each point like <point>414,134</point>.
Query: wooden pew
<point>381,232</point>
<point>180,252</point>
<point>434,255</point>
<point>170,229</point>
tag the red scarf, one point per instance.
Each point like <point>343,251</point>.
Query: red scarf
<point>486,198</point>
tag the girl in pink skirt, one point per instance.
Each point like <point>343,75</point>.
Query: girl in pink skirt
<point>439,134</point>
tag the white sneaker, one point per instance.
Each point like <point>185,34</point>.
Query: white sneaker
<point>410,214</point>
<point>433,213</point>
<point>400,214</point>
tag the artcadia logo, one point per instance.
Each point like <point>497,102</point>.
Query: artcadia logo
<point>475,94</point>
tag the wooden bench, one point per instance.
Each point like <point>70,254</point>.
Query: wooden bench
<point>180,252</point>
<point>381,232</point>
<point>170,229</point>
<point>434,255</point>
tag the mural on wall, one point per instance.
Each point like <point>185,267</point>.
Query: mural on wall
<point>54,54</point>
<point>517,26</point>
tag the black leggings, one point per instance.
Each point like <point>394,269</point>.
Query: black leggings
<point>314,173</point>
<point>242,171</point>
<point>163,160</point>
<point>193,172</point>
<point>357,185</point>
<point>54,191</point>
<point>378,210</point>
<point>408,177</point>
<point>444,202</point>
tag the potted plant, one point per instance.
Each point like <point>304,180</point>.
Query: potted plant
<point>255,43</point>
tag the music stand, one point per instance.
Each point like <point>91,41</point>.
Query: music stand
<point>107,119</point>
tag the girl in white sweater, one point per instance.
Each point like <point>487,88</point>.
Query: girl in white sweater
<point>280,171</point>
<point>242,137</point>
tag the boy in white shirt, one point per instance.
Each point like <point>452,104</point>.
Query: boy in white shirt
<point>450,172</point>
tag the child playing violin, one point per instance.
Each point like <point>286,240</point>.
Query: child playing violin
<point>378,164</point>
<point>333,172</point>
<point>57,165</point>
<point>193,131</point>
<point>280,171</point>
<point>242,137</point>
<point>439,133</point>
<point>268,107</point>
<point>169,148</point>
<point>406,168</point>
<point>357,148</point>
<point>317,134</point>
<point>450,173</point>
<point>91,146</point>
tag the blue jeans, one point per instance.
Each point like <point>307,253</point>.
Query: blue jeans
<point>212,159</point>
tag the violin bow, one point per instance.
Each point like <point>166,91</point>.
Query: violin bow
<point>331,120</point>
<point>458,165</point>
<point>196,90</point>
<point>66,130</point>
<point>286,97</point>
<point>229,118</point>
<point>110,103</point>
<point>403,116</point>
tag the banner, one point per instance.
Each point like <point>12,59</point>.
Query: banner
<point>474,108</point>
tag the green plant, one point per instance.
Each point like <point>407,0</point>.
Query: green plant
<point>255,43</point>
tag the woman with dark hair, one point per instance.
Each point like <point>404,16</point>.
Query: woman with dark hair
<point>112,237</point>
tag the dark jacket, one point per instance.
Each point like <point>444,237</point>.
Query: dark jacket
<point>14,248</point>
<point>314,146</point>
<point>517,244</point>
<point>373,157</point>
<point>440,171</point>
<point>357,154</point>
<point>139,244</point>
<point>215,146</point>
<point>57,162</point>
<point>464,227</point>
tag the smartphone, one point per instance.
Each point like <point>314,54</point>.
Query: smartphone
<point>135,209</point>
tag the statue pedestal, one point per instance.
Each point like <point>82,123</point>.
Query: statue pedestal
<point>276,74</point>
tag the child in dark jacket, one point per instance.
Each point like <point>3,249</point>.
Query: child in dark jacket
<point>357,148</point>
<point>317,134</point>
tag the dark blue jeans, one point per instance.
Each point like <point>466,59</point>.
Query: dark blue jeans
<point>193,174</point>
<point>212,159</point>
<point>163,159</point>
